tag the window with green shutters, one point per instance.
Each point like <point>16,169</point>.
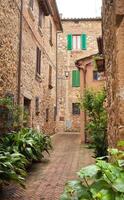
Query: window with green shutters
<point>84,41</point>
<point>69,41</point>
<point>77,42</point>
<point>75,78</point>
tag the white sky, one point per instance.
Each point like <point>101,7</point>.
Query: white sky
<point>80,8</point>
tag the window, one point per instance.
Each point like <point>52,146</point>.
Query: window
<point>50,77</point>
<point>38,62</point>
<point>51,33</point>
<point>41,17</point>
<point>75,108</point>
<point>75,78</point>
<point>77,42</point>
<point>37,106</point>
<point>55,113</point>
<point>98,75</point>
<point>31,4</point>
<point>47,114</point>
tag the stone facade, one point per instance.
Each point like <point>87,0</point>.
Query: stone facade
<point>67,95</point>
<point>35,91</point>
<point>113,35</point>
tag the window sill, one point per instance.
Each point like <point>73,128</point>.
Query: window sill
<point>38,77</point>
<point>40,31</point>
<point>30,11</point>
<point>78,51</point>
<point>100,80</point>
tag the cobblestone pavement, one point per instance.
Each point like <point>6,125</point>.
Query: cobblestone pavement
<point>46,180</point>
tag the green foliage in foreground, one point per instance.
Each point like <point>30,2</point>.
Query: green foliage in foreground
<point>18,150</point>
<point>102,181</point>
<point>93,104</point>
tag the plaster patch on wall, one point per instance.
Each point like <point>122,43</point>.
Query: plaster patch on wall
<point>121,93</point>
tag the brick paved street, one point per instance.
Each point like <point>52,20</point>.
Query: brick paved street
<point>46,180</point>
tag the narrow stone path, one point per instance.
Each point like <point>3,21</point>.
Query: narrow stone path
<point>46,180</point>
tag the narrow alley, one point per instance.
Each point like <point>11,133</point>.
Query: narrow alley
<point>46,180</point>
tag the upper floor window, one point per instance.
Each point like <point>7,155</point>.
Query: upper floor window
<point>77,42</point>
<point>41,17</point>
<point>31,4</point>
<point>38,61</point>
<point>51,33</point>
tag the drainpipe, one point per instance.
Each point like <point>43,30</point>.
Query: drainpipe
<point>20,55</point>
<point>85,116</point>
<point>56,73</point>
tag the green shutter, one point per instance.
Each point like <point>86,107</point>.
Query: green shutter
<point>75,78</point>
<point>69,42</point>
<point>84,41</point>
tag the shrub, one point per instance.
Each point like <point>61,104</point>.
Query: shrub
<point>93,104</point>
<point>12,167</point>
<point>18,150</point>
<point>102,181</point>
<point>28,142</point>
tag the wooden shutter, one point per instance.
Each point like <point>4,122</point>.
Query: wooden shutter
<point>84,41</point>
<point>38,62</point>
<point>37,105</point>
<point>69,42</point>
<point>75,78</point>
<point>51,34</point>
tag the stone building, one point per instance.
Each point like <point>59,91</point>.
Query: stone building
<point>90,77</point>
<point>28,58</point>
<point>113,37</point>
<point>77,41</point>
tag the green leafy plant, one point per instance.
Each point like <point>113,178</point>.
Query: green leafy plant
<point>28,142</point>
<point>18,150</point>
<point>96,127</point>
<point>12,167</point>
<point>102,181</point>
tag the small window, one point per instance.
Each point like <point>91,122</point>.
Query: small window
<point>47,114</point>
<point>55,113</point>
<point>51,34</point>
<point>37,106</point>
<point>41,17</point>
<point>75,108</point>
<point>31,4</point>
<point>77,42</point>
<point>50,77</point>
<point>98,75</point>
<point>38,62</point>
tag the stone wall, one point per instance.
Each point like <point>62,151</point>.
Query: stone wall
<point>9,46</point>
<point>32,37</point>
<point>66,62</point>
<point>113,35</point>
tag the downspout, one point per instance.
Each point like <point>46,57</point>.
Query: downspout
<point>56,73</point>
<point>20,55</point>
<point>85,116</point>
